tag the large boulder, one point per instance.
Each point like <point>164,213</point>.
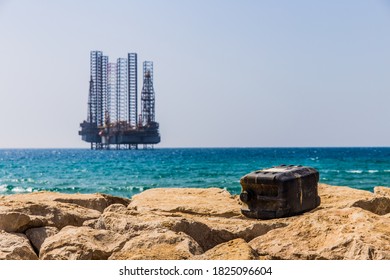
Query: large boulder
<point>15,246</point>
<point>45,213</point>
<point>192,224</point>
<point>23,211</point>
<point>158,245</point>
<point>337,234</point>
<point>13,221</point>
<point>190,212</point>
<point>236,249</point>
<point>210,202</point>
<point>81,243</point>
<point>340,197</point>
<point>95,201</point>
<point>212,231</point>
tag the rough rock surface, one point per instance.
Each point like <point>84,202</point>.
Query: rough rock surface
<point>210,216</point>
<point>38,235</point>
<point>186,223</point>
<point>157,245</point>
<point>329,234</point>
<point>13,221</point>
<point>236,249</point>
<point>51,209</point>
<point>81,243</point>
<point>15,246</point>
<point>220,204</point>
<point>382,191</point>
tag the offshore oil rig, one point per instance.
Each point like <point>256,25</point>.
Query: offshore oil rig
<point>113,120</point>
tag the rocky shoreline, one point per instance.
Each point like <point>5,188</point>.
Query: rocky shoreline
<point>200,224</point>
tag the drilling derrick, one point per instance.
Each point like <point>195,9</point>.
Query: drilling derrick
<point>147,104</point>
<point>147,95</point>
<point>113,107</point>
<point>96,84</point>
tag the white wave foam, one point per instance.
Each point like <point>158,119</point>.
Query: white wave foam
<point>373,171</point>
<point>354,171</point>
<point>18,190</point>
<point>331,170</point>
<point>3,188</point>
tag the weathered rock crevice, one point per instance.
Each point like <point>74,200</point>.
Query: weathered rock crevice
<point>376,205</point>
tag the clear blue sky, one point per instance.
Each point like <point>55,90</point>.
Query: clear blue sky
<point>226,73</point>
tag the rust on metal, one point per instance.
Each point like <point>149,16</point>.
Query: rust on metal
<point>280,191</point>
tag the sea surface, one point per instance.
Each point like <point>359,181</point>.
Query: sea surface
<point>128,172</point>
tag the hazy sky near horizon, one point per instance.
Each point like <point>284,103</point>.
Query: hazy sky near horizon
<point>248,73</point>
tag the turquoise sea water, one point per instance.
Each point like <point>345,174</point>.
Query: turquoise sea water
<point>128,172</point>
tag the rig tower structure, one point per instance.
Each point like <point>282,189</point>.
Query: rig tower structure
<point>112,119</point>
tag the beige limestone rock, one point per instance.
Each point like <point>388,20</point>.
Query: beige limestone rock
<point>95,201</point>
<point>211,231</point>
<point>184,223</point>
<point>236,249</point>
<point>81,243</point>
<point>13,221</point>
<point>210,216</point>
<point>340,197</point>
<point>44,212</point>
<point>38,235</point>
<point>129,221</point>
<point>158,245</point>
<point>382,191</point>
<point>378,205</point>
<point>349,233</point>
<point>213,201</point>
<point>15,246</point>
<point>208,230</point>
